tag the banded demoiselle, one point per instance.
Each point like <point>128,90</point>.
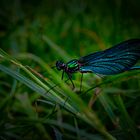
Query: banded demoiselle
<point>117,59</point>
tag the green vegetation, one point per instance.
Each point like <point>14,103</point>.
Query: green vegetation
<point>34,102</point>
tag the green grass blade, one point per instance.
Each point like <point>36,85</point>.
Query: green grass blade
<point>105,102</point>
<point>126,123</point>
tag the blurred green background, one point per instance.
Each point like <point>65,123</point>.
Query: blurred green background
<point>63,30</point>
<point>79,27</point>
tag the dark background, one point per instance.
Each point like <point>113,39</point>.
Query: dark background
<point>67,23</point>
<point>73,28</point>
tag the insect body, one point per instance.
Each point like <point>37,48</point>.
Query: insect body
<point>121,57</point>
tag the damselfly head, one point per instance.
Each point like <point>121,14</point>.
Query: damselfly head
<point>60,65</point>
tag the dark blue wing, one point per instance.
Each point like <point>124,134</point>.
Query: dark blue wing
<point>113,60</point>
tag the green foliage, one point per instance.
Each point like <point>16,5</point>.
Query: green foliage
<point>34,102</point>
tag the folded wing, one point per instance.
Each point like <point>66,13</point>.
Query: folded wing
<point>114,60</point>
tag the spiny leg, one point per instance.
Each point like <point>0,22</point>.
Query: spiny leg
<point>52,88</point>
<point>81,82</point>
<point>70,77</point>
<point>56,86</point>
<point>65,102</point>
<point>62,74</point>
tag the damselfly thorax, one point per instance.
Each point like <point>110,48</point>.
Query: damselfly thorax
<point>70,67</point>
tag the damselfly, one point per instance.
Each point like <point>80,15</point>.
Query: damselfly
<point>120,58</point>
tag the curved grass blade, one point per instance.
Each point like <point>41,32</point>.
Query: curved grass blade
<point>114,79</point>
<point>76,105</point>
<point>35,87</point>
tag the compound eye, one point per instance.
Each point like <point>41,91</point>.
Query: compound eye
<point>60,65</point>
